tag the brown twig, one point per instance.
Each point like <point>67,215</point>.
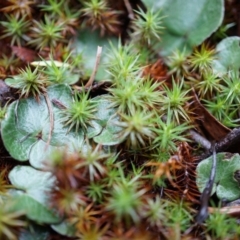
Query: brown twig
<point>231,139</point>
<point>129,9</point>
<point>49,105</point>
<point>206,194</point>
<point>200,139</point>
<point>58,104</point>
<point>91,79</point>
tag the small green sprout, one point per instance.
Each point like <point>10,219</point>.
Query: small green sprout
<point>231,89</point>
<point>70,18</point>
<point>16,29</point>
<point>3,111</point>
<point>221,33</point>
<point>99,16</point>
<point>28,82</point>
<point>154,211</point>
<point>19,8</point>
<point>208,85</point>
<point>92,160</point>
<point>125,200</point>
<point>222,226</point>
<point>123,62</point>
<point>178,64</point>
<point>151,94</point>
<point>135,93</point>
<point>176,99</point>
<point>67,200</point>
<point>127,97</point>
<point>147,27</point>
<point>46,33</point>
<point>179,216</point>
<point>80,112</point>
<point>168,133</point>
<point>8,62</point>
<point>53,6</point>
<point>202,59</point>
<point>137,128</point>
<point>96,191</point>
<point>94,8</point>
<point>225,113</point>
<point>55,73</point>
<point>10,221</point>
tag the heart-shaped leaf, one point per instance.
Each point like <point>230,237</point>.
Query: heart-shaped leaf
<point>21,126</point>
<point>34,210</point>
<point>33,182</point>
<point>228,55</point>
<point>187,23</point>
<point>225,185</point>
<point>88,47</point>
<point>106,132</point>
<point>32,198</point>
<point>25,130</point>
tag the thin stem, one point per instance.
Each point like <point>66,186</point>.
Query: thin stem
<point>49,105</point>
<point>91,79</point>
<point>129,9</point>
<point>203,212</point>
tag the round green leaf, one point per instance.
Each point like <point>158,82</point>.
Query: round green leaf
<point>24,120</point>
<point>25,130</point>
<point>187,23</point>
<point>33,182</point>
<point>33,198</point>
<point>109,135</point>
<point>60,92</point>
<point>225,186</point>
<point>88,47</point>
<point>152,4</point>
<point>102,115</point>
<point>13,82</point>
<point>39,160</point>
<point>64,228</point>
<point>103,129</point>
<point>41,152</point>
<point>34,210</point>
<point>228,55</point>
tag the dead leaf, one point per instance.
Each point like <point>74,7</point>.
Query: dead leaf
<point>157,71</point>
<point>209,125</point>
<point>233,211</point>
<point>25,54</point>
